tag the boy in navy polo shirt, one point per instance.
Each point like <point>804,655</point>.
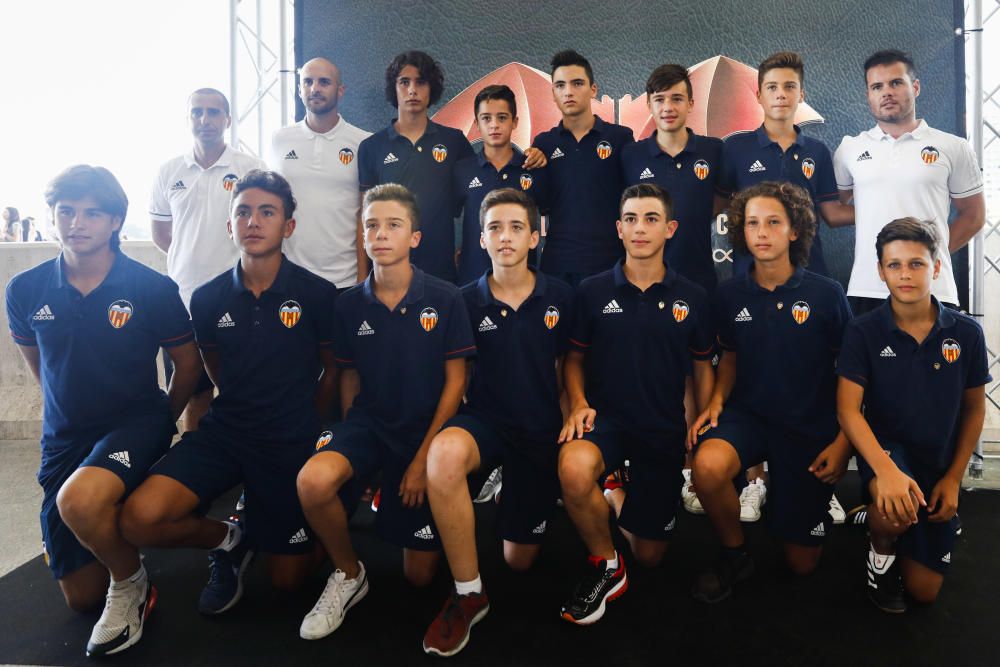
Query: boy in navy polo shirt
<point>584,178</point>
<point>95,319</point>
<point>265,329</point>
<point>918,370</point>
<point>421,155</point>
<point>402,337</point>
<point>639,330</point>
<point>779,328</point>
<point>512,415</point>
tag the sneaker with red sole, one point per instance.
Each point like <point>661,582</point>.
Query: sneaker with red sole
<point>598,587</point>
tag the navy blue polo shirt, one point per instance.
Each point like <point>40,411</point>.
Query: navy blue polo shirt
<point>749,158</point>
<point>913,391</point>
<point>584,188</point>
<point>268,349</point>
<point>786,345</point>
<point>426,169</point>
<point>475,177</point>
<point>639,347</point>
<point>690,177</point>
<point>97,352</point>
<point>514,381</point>
<point>400,354</point>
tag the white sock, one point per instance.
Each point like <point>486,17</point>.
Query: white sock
<point>467,587</point>
<point>135,578</point>
<point>613,563</point>
<point>233,535</point>
<point>880,563</point>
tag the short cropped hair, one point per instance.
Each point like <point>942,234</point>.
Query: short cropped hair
<point>509,196</point>
<point>500,92</point>
<point>83,180</point>
<point>571,57</point>
<point>213,91</point>
<point>782,60</point>
<point>397,193</point>
<point>647,190</point>
<point>797,204</point>
<point>890,57</point>
<point>268,181</point>
<point>908,229</point>
<point>430,71</point>
<point>667,76</point>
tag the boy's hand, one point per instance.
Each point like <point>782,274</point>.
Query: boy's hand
<point>898,498</point>
<point>534,159</point>
<point>414,484</point>
<point>831,464</point>
<point>580,421</point>
<point>944,500</point>
<point>708,418</point>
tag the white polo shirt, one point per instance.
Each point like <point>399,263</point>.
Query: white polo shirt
<point>323,172</point>
<point>916,175</point>
<point>197,202</point>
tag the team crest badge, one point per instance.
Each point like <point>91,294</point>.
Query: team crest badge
<point>229,182</point>
<point>808,167</point>
<point>681,310</point>
<point>701,170</point>
<point>119,313</point>
<point>800,311</point>
<point>951,350</point>
<point>346,156</point>
<point>929,155</point>
<point>324,439</point>
<point>428,319</point>
<point>604,150</point>
<point>551,317</point>
<point>290,313</point>
<point>439,152</point>
<point>526,181</point>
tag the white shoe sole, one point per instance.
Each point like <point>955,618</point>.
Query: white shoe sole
<point>447,654</point>
<point>358,596</point>
<point>596,615</point>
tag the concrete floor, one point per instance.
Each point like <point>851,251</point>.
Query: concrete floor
<point>20,498</point>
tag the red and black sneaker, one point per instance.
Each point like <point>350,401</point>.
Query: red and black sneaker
<point>598,587</point>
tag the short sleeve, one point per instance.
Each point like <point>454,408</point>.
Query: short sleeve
<point>464,147</point>
<point>367,173</point>
<point>343,348</point>
<point>539,190</point>
<point>18,317</point>
<point>170,321</point>
<point>724,329</point>
<point>566,320</point>
<point>853,363</point>
<point>726,183</point>
<point>202,319</point>
<point>324,321</point>
<point>826,183</point>
<point>581,334</point>
<point>841,167</point>
<point>842,316</point>
<point>458,339</point>
<point>965,178</point>
<point>979,371</point>
<point>159,207</point>
<point>702,343</point>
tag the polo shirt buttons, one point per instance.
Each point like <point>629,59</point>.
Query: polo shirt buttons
<point>678,165</point>
<point>505,177</point>
<point>420,149</point>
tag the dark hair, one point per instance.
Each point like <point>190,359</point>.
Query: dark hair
<point>908,229</point>
<point>500,92</point>
<point>397,193</point>
<point>509,196</point>
<point>268,181</point>
<point>782,60</point>
<point>212,91</point>
<point>430,71</point>
<point>571,57</point>
<point>890,57</point>
<point>651,190</point>
<point>83,180</point>
<point>798,205</point>
<point>665,77</point>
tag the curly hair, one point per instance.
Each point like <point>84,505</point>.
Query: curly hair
<point>797,204</point>
<point>430,71</point>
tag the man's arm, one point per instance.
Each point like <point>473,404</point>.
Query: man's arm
<point>725,380</point>
<point>704,383</point>
<point>970,218</point>
<point>326,390</point>
<point>187,370</point>
<point>837,213</point>
<point>581,415</point>
<point>162,234</point>
<point>33,358</point>
<point>944,497</point>
<point>350,387</point>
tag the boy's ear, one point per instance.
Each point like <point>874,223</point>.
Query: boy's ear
<point>415,239</point>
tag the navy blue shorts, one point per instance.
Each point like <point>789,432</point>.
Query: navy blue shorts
<point>797,502</point>
<point>128,450</point>
<point>926,542</point>
<point>369,449</point>
<point>654,481</point>
<point>530,483</point>
<point>214,459</point>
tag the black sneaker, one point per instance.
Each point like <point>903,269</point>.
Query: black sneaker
<point>598,587</point>
<point>885,584</point>
<point>225,577</point>
<point>716,584</point>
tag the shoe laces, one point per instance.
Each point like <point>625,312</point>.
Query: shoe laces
<point>592,581</point>
<point>219,567</point>
<point>753,491</point>
<point>330,599</point>
<point>116,603</point>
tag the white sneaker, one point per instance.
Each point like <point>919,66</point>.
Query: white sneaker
<point>339,595</point>
<point>837,512</point>
<point>491,487</point>
<point>690,499</point>
<point>752,498</point>
<point>125,610</point>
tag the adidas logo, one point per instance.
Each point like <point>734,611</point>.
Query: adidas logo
<point>425,533</point>
<point>44,313</point>
<point>390,158</point>
<point>613,307</point>
<point>646,173</point>
<point>819,530</point>
<point>487,324</point>
<point>290,155</point>
<point>757,166</point>
<point>121,457</point>
<point>556,153</point>
<point>475,183</point>
<point>365,329</point>
<point>299,537</point>
<point>946,558</point>
<point>744,316</point>
<point>539,529</point>
<point>887,352</point>
<point>179,185</point>
<point>226,321</point>
<point>864,156</point>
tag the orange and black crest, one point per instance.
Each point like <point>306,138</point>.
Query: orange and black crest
<point>808,167</point>
<point>119,313</point>
<point>800,311</point>
<point>440,152</point>
<point>680,310</point>
<point>551,317</point>
<point>290,313</point>
<point>604,150</point>
<point>346,155</point>
<point>701,169</point>
<point>229,182</point>
<point>428,319</point>
<point>929,154</point>
<point>526,181</point>
<point>324,439</point>
<point>951,350</point>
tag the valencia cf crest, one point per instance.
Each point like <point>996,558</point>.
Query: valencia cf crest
<point>120,312</point>
<point>346,156</point>
<point>808,167</point>
<point>290,313</point>
<point>604,150</point>
<point>951,350</point>
<point>680,310</point>
<point>929,154</point>
<point>324,439</point>
<point>428,319</point>
<point>551,317</point>
<point>526,181</point>
<point>800,309</point>
<point>440,152</point>
<point>229,182</point>
<point>701,170</point>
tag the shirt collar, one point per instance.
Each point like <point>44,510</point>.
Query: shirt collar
<point>600,126</point>
<point>329,136</point>
<point>279,286</point>
<point>116,274</point>
<point>224,160</point>
<point>431,128</point>
<point>791,283</point>
<point>692,145</point>
<point>515,162</point>
<point>621,280</point>
<point>414,294</point>
<point>878,134</point>
<point>763,140</point>
<point>484,296</point>
<point>945,318</point>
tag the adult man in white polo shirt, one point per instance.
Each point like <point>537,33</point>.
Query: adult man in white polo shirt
<point>318,157</point>
<point>189,205</point>
<point>903,167</point>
